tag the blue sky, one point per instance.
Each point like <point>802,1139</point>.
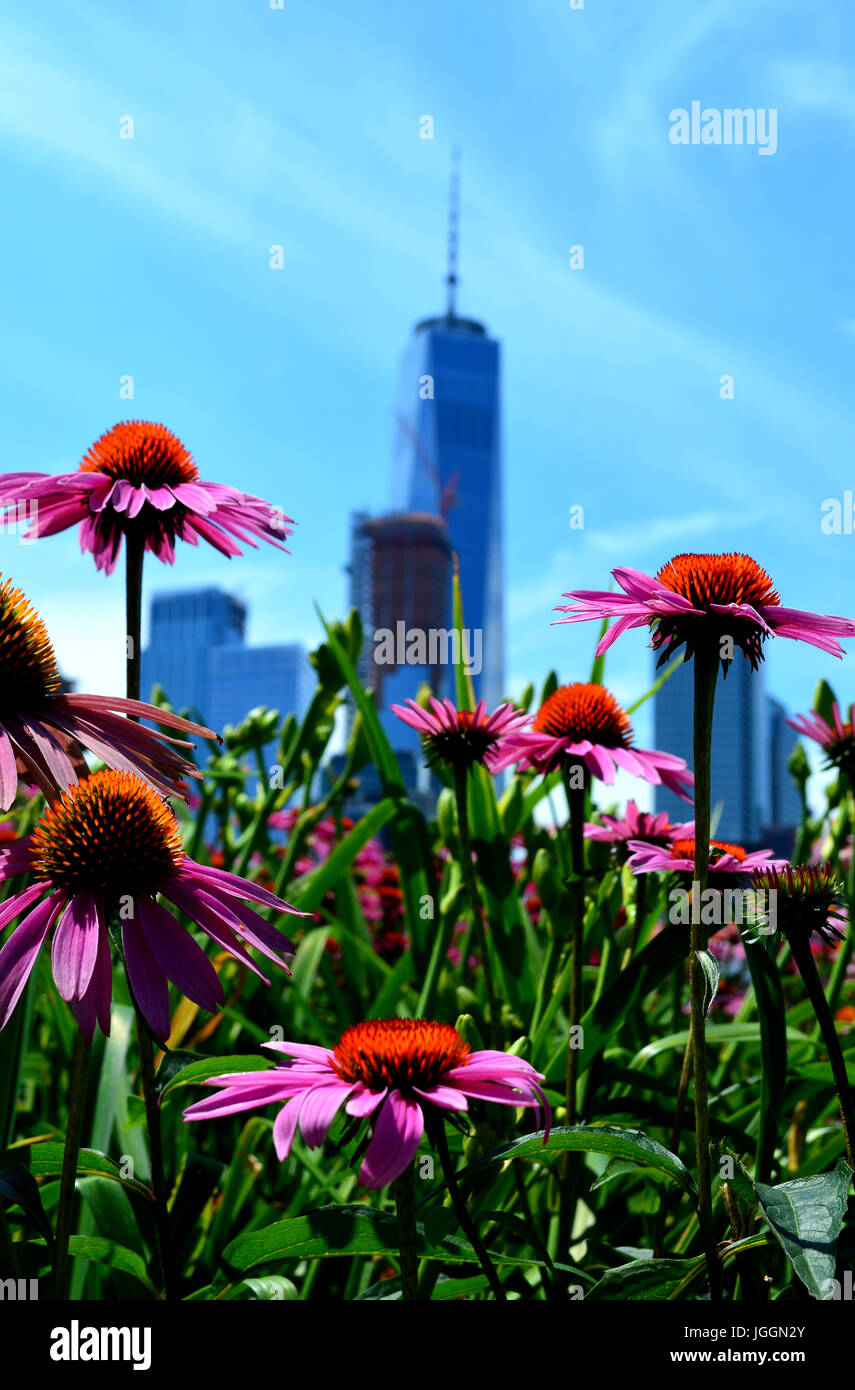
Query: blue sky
<point>300,127</point>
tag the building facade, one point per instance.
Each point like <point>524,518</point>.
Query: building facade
<point>197,653</point>
<point>751,789</point>
<point>448,461</point>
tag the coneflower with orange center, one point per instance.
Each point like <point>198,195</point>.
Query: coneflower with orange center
<point>139,481</point>
<point>701,598</point>
<point>105,851</point>
<point>43,731</point>
<point>584,724</point>
<point>679,857</point>
<point>395,1072</point>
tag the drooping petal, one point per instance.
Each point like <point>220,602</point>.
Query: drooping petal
<point>398,1130</point>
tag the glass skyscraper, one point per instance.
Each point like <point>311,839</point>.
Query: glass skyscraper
<point>448,462</point>
<point>740,769</point>
<point>197,653</point>
<point>753,794</point>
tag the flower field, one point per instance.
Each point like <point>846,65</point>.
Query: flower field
<point>541,1046</point>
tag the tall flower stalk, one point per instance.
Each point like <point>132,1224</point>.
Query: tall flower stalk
<point>706,672</point>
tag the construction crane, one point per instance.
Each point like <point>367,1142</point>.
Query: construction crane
<point>447,492</point>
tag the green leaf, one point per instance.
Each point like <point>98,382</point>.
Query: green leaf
<point>715,1033</point>
<point>629,1144</point>
<point>823,700</point>
<point>709,966</point>
<point>650,1279</point>
<point>271,1288</point>
<point>209,1067</point>
<point>347,1230</point>
<point>45,1161</point>
<point>806,1215</point>
<point>108,1252</point>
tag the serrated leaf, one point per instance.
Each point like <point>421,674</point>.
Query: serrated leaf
<point>806,1215</point>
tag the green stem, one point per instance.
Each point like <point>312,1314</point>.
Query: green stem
<point>159,1186</point>
<point>76,1103</point>
<point>476,904</point>
<point>404,1189</point>
<point>571,1162</point>
<point>706,671</point>
<point>845,949</point>
<point>640,885</point>
<point>135,551</point>
<point>134,555</point>
<point>803,956</point>
<point>467,1225</point>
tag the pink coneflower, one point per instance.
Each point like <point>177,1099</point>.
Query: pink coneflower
<point>707,597</point>
<point>462,737</point>
<point>835,737</point>
<point>637,825</point>
<point>679,857</point>
<point>397,1072</point>
<point>110,846</point>
<point>42,731</point>
<point>139,479</point>
<point>584,723</point>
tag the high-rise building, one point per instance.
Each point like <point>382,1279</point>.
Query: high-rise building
<point>740,770</point>
<point>448,459</point>
<point>752,792</point>
<point>186,626</point>
<point>400,581</point>
<point>785,806</point>
<point>197,653</point>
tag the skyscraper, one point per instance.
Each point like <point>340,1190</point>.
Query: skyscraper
<point>400,581</point>
<point>448,457</point>
<point>740,767</point>
<point>752,792</point>
<point>186,626</point>
<point>197,653</point>
<point>785,807</point>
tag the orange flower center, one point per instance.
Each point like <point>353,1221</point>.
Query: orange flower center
<point>110,833</point>
<point>583,711</point>
<point>730,578</point>
<point>685,849</point>
<point>141,452</point>
<point>28,670</point>
<point>398,1052</point>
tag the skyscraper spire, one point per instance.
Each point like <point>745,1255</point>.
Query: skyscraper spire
<point>453,232</point>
